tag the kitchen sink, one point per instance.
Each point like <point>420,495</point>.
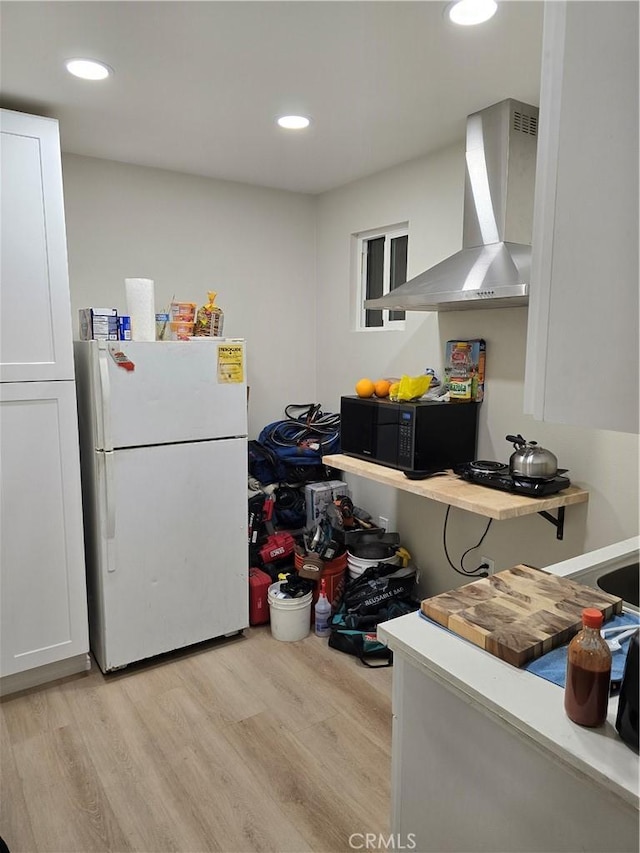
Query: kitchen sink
<point>623,582</point>
<point>617,579</point>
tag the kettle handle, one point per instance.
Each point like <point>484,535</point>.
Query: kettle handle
<point>517,440</point>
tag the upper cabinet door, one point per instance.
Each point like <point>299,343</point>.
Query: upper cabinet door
<point>35,313</point>
<point>582,344</point>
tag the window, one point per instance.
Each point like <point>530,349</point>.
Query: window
<point>382,267</point>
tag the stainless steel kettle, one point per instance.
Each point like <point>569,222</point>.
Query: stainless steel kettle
<point>530,460</point>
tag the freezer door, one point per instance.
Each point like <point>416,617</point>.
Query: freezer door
<point>176,391</point>
<point>167,560</point>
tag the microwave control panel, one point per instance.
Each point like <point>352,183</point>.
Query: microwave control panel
<point>405,437</point>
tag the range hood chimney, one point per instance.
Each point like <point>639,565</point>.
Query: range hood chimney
<point>493,268</point>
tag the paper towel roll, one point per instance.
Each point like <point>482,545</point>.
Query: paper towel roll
<point>141,308</point>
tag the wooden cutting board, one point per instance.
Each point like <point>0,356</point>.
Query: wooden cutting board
<point>518,614</point>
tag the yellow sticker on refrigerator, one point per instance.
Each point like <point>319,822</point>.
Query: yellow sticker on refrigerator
<point>230,363</point>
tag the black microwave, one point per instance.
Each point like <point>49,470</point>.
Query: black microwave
<point>426,435</point>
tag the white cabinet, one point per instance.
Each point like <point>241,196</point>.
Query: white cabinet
<point>582,345</point>
<point>465,777</point>
<point>35,320</point>
<point>484,757</point>
<point>43,607</point>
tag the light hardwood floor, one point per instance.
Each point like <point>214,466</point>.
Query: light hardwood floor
<point>247,744</point>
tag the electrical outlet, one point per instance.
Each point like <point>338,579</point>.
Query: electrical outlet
<point>489,563</point>
<point>383,522</point>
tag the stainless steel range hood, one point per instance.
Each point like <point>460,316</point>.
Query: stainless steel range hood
<point>493,268</point>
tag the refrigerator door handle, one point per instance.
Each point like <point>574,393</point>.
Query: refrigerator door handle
<point>105,393</point>
<point>110,505</point>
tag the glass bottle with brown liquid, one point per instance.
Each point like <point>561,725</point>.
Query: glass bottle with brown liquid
<point>586,693</point>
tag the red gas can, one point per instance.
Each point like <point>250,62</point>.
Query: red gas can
<point>259,583</point>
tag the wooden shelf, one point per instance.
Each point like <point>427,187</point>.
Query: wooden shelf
<point>450,489</point>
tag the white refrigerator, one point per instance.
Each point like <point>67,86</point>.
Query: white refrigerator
<point>163,429</point>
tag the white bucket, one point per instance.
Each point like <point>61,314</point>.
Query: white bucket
<point>357,565</point>
<point>290,617</point>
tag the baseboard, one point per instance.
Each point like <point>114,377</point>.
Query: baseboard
<point>43,674</point>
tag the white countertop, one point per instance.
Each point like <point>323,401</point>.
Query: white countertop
<point>524,701</point>
<point>603,558</point>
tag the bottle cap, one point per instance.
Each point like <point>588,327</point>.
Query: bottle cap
<point>592,617</point>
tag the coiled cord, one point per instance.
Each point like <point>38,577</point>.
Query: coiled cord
<point>311,424</point>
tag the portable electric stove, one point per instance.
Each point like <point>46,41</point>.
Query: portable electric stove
<point>496,475</point>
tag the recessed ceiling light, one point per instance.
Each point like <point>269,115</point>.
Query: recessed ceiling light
<point>88,69</point>
<point>470,12</point>
<point>294,122</point>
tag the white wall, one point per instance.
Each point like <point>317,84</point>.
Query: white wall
<point>257,248</point>
<point>429,194</point>
<point>254,246</point>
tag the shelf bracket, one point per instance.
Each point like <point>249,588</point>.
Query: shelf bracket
<point>558,522</point>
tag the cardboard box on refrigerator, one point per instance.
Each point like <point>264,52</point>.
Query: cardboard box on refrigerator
<point>98,324</point>
<point>318,496</point>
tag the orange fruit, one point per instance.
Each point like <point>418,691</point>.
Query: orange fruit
<point>365,388</point>
<point>381,387</point>
<point>393,391</point>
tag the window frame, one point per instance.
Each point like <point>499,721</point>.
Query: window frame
<point>389,233</point>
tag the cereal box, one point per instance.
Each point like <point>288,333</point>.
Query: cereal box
<point>464,369</point>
